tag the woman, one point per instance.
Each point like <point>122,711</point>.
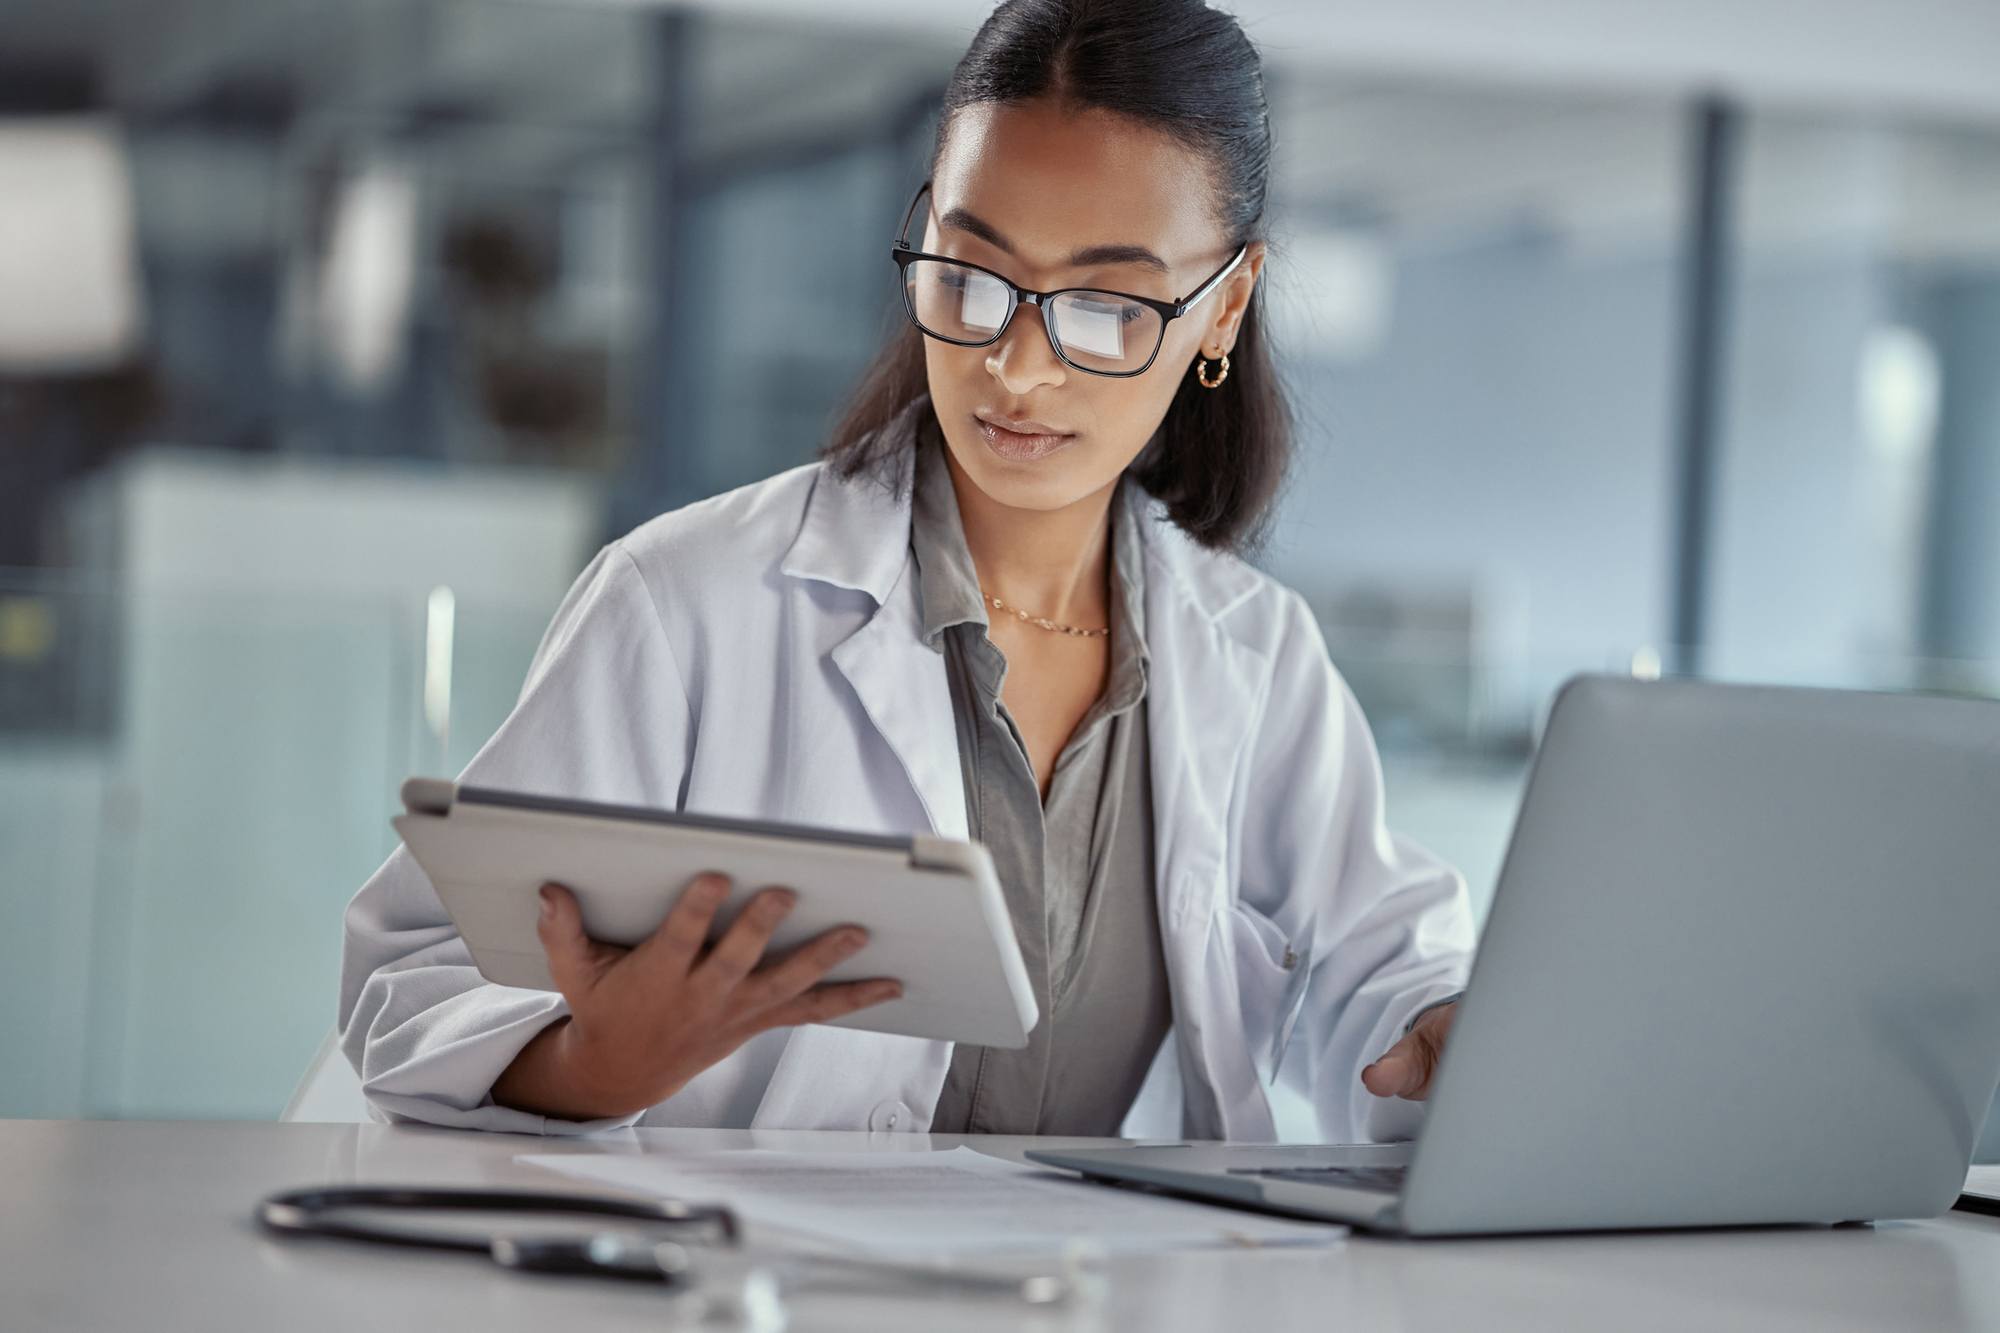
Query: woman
<point>1077,433</point>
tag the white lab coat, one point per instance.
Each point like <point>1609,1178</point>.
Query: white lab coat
<point>757,654</point>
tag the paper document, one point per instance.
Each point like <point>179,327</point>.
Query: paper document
<point>1983,1180</point>
<point>930,1203</point>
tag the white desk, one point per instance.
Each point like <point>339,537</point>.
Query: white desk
<point>109,1225</point>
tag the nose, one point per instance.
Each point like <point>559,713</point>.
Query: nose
<point>1024,358</point>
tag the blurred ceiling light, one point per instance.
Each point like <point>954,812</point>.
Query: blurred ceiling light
<point>1334,299</point>
<point>1899,389</point>
<point>69,288</point>
<point>367,280</point>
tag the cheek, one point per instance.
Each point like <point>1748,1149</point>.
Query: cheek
<point>954,374</point>
<point>1182,345</point>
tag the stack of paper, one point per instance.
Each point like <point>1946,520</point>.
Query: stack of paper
<point>931,1204</point>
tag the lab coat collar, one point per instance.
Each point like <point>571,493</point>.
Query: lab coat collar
<point>856,532</point>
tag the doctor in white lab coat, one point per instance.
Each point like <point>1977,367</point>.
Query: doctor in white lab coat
<point>758,654</point>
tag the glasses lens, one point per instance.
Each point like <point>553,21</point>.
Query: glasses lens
<point>956,303</point>
<point>1106,333</point>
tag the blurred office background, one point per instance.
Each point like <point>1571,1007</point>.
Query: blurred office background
<point>335,337</point>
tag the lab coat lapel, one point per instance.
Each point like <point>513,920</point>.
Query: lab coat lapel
<point>1202,695</point>
<point>856,534</point>
<point>902,687</point>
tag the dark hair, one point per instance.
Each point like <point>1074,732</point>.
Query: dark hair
<point>1219,455</point>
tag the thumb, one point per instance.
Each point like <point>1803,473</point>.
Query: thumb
<point>575,960</point>
<point>1399,1073</point>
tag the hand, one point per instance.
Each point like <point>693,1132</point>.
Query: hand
<point>644,1021</point>
<point>1405,1069</point>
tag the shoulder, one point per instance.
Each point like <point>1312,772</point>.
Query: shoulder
<point>722,546</point>
<point>760,518</point>
<point>1244,604</point>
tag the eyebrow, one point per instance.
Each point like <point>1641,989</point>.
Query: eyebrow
<point>1090,255</point>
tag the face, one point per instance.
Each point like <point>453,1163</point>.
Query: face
<point>1022,190</point>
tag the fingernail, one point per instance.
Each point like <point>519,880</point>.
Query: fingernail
<point>548,902</point>
<point>850,940</point>
<point>891,991</point>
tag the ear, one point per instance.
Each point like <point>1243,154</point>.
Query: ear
<point>1231,300</point>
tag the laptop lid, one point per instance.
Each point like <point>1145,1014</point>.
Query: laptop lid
<point>1742,966</point>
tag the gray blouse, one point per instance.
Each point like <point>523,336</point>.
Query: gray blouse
<point>1078,872</point>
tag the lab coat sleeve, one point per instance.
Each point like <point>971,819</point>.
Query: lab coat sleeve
<point>603,715</point>
<point>1383,927</point>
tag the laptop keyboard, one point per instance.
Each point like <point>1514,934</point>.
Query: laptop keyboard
<point>1381,1179</point>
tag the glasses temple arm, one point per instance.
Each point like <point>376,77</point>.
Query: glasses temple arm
<point>903,236</point>
<point>1188,303</point>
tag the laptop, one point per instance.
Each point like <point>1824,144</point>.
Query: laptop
<point>1742,967</point>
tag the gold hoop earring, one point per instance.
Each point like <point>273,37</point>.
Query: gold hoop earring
<point>1201,372</point>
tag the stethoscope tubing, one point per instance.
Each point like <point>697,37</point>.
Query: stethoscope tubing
<point>316,1212</point>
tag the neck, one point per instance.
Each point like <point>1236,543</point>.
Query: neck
<point>1054,563</point>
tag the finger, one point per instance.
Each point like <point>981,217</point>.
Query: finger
<point>804,967</point>
<point>676,940</point>
<point>1407,1068</point>
<point>1427,1048</point>
<point>741,947</point>
<point>1386,1076</point>
<point>575,960</point>
<point>1398,1073</point>
<point>823,1004</point>
<point>1430,1047</point>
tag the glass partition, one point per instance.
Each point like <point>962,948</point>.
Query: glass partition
<point>184,814</point>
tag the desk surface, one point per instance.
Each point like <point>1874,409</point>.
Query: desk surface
<point>135,1224</point>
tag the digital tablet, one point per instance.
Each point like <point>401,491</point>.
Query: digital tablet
<point>932,907</point>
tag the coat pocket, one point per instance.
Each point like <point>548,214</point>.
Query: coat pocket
<point>1271,974</point>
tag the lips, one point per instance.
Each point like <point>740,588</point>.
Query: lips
<point>1020,441</point>
<point>1019,426</point>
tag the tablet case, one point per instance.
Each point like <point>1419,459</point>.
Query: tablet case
<point>932,906</point>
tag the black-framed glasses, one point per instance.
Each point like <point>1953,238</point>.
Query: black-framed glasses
<point>1098,332</point>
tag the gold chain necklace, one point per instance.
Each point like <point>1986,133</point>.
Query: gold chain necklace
<point>1043,621</point>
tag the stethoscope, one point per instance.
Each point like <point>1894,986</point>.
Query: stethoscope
<point>727,1282</point>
